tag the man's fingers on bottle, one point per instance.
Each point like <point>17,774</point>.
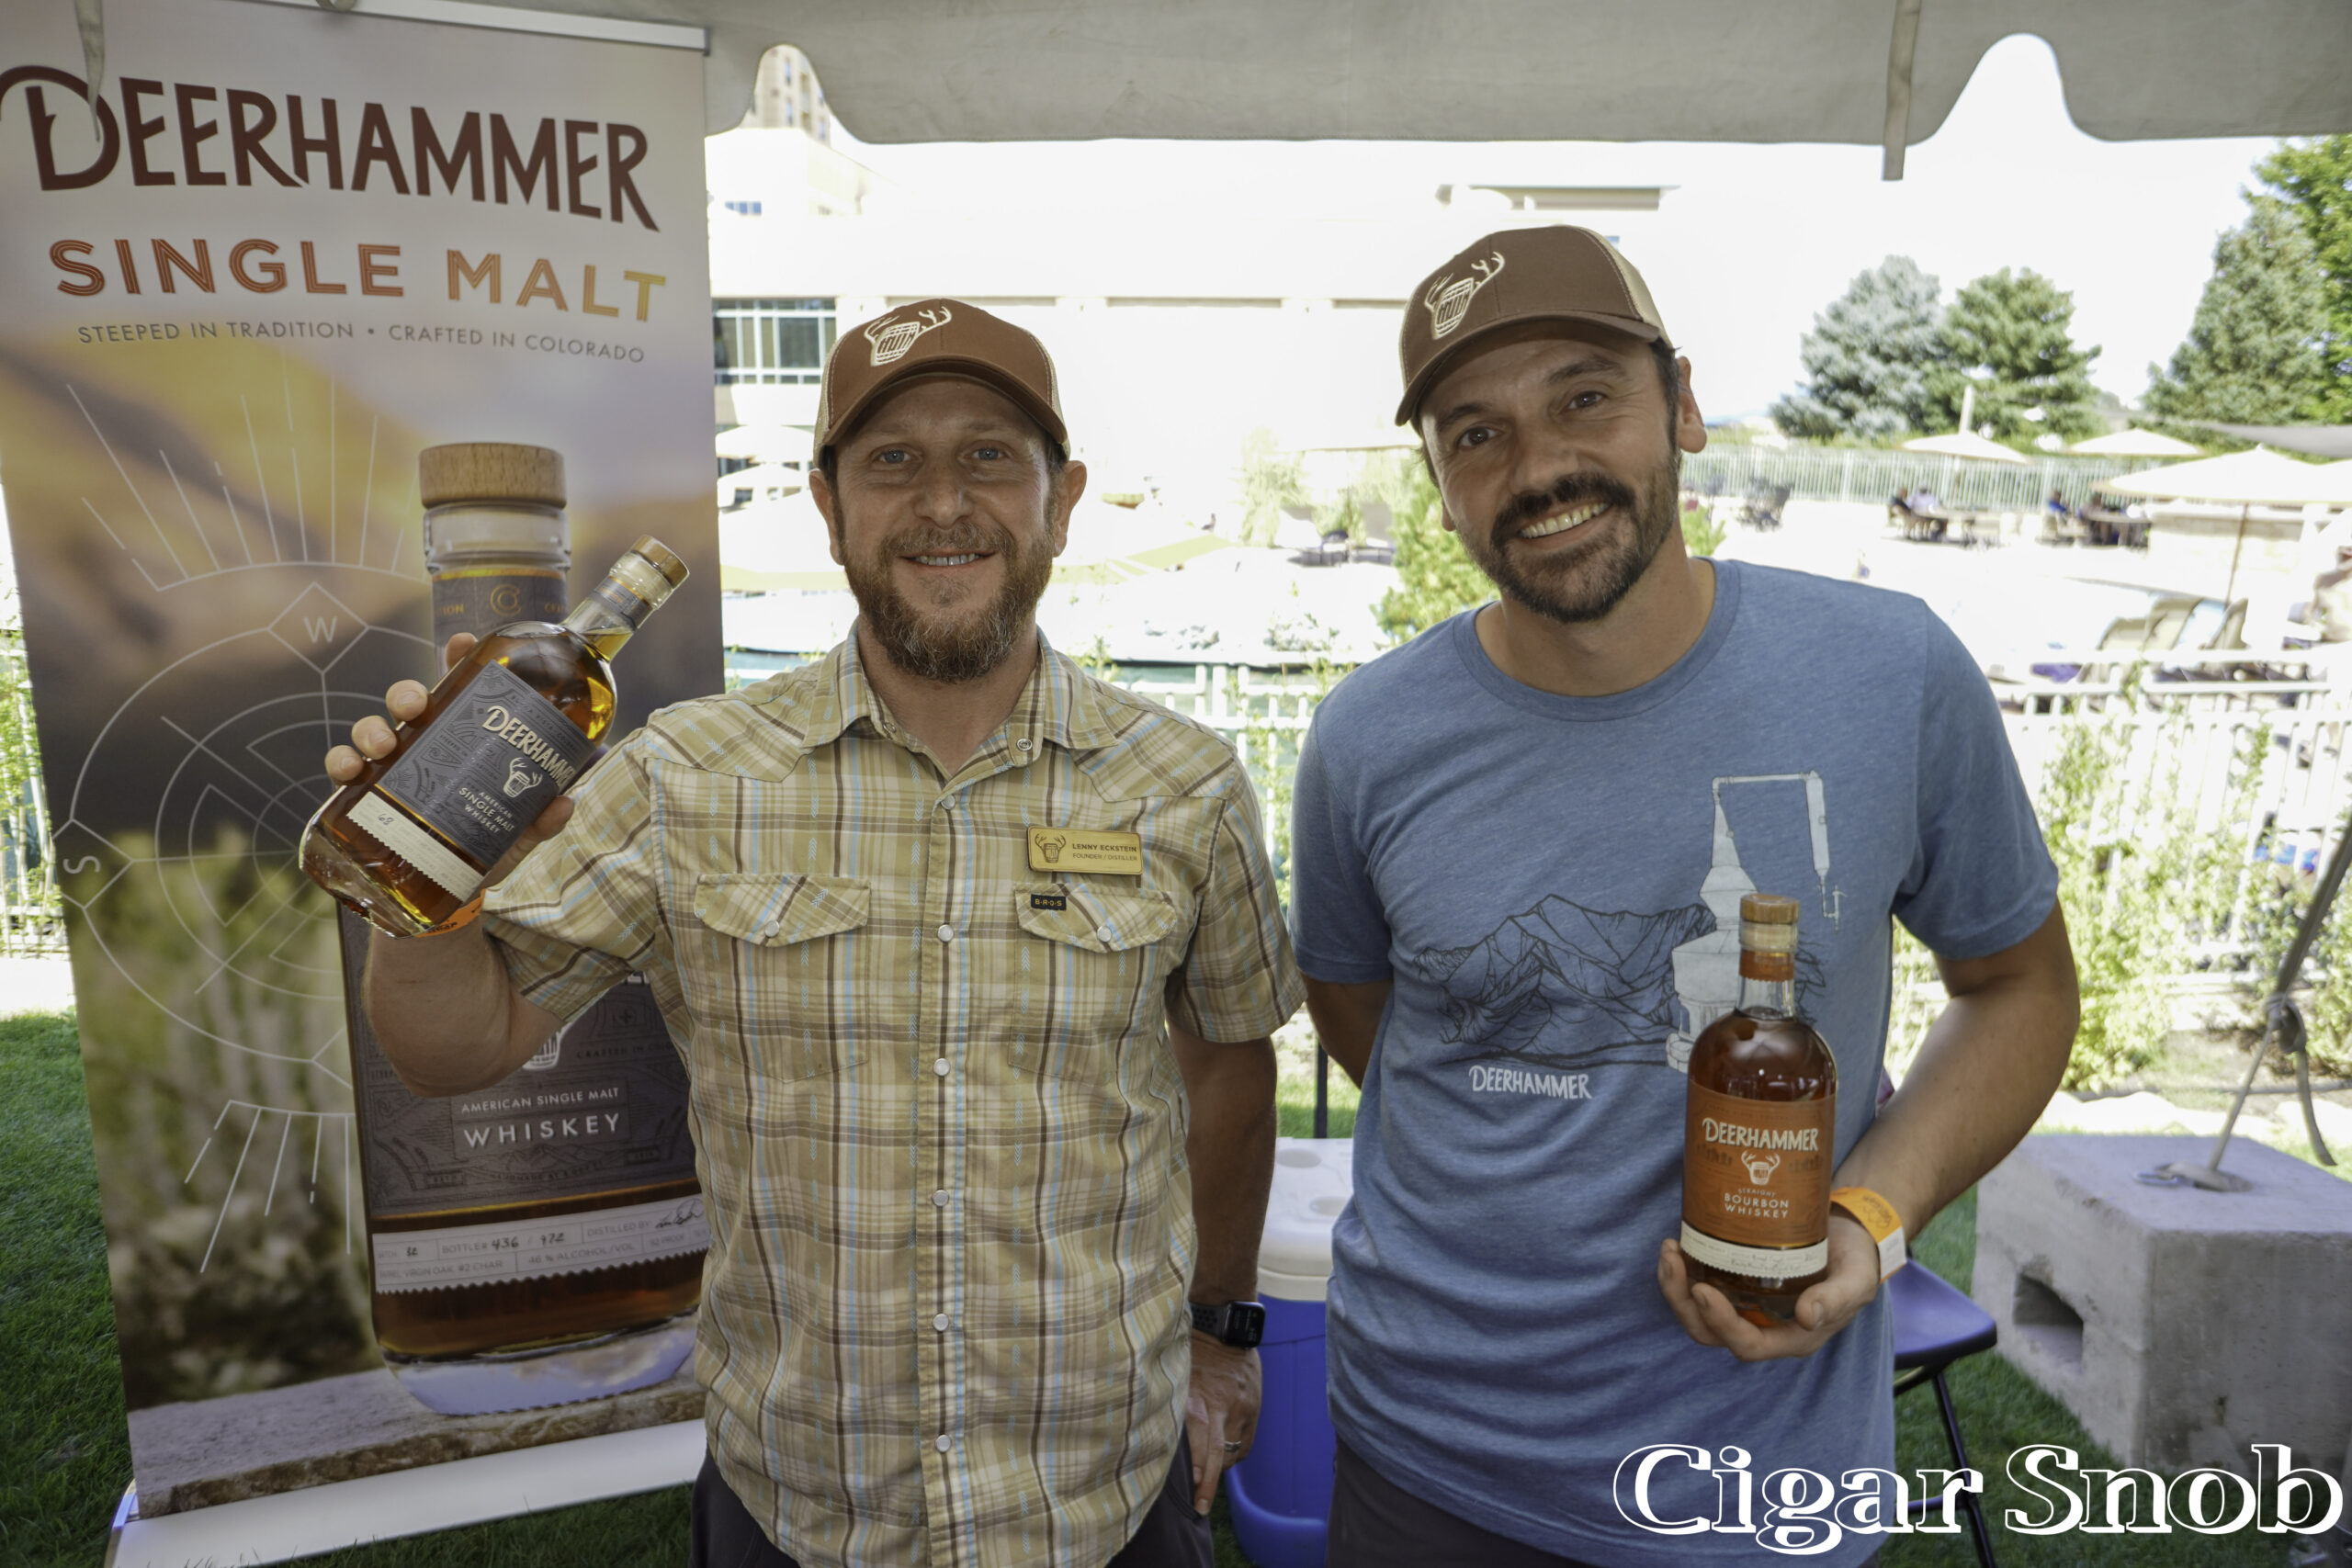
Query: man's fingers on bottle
<point>371,737</point>
<point>457,647</point>
<point>404,699</point>
<point>344,764</point>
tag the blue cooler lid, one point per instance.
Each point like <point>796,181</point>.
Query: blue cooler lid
<point>1314,1179</point>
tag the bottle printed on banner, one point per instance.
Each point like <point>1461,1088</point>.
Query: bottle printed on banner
<point>1761,1133</point>
<point>540,1241</point>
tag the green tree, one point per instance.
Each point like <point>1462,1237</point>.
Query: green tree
<point>2254,354</point>
<point>2314,179</point>
<point>2010,334</point>
<point>1270,481</point>
<point>1867,358</point>
<point>1435,576</point>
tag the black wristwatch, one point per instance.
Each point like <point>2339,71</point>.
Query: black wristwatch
<point>1239,1324</point>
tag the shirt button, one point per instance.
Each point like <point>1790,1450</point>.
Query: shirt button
<point>940,1067</point>
<point>939,1442</point>
<point>1021,745</point>
<point>940,1323</point>
<point>771,928</point>
<point>1102,933</point>
<point>939,1199</point>
<point>947,933</point>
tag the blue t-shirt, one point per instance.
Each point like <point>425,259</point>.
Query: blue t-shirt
<point>1553,885</point>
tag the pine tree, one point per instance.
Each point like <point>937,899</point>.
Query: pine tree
<point>1867,357</point>
<point>2254,352</point>
<point>2010,334</point>
<point>2314,179</point>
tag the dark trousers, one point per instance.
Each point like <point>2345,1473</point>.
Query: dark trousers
<point>1377,1524</point>
<point>1172,1535</point>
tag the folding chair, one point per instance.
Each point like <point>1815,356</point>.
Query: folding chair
<point>1934,1326</point>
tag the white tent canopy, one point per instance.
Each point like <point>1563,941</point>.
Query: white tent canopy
<point>1868,72</point>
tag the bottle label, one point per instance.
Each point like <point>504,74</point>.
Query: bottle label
<point>533,1249</point>
<point>492,761</point>
<point>602,1108</point>
<point>1756,1182</point>
<point>478,601</point>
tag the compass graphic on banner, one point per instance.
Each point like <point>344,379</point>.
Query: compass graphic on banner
<point>179,835</point>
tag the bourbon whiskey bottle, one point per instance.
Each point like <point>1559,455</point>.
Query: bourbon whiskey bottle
<point>1760,1135</point>
<point>542,1241</point>
<point>409,842</point>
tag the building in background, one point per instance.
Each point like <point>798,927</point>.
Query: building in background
<point>1181,320</point>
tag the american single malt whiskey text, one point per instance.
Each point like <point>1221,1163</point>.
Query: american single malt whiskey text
<point>1760,1135</point>
<point>540,1241</point>
<point>408,844</point>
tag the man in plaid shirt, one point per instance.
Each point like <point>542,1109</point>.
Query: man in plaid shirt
<point>975,961</point>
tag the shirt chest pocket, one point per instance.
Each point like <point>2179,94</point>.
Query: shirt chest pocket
<point>775,964</point>
<point>1092,973</point>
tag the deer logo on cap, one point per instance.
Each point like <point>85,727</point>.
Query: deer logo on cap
<point>891,338</point>
<point>1448,299</point>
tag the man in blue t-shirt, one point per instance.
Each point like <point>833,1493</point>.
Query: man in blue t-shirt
<point>1520,845</point>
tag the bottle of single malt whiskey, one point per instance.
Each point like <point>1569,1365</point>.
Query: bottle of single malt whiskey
<point>540,1241</point>
<point>1760,1138</point>
<point>408,844</point>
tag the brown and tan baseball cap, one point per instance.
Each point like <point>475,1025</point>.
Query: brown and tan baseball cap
<point>1553,274</point>
<point>935,337</point>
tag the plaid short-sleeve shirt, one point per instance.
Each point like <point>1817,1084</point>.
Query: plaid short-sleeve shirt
<point>938,1130</point>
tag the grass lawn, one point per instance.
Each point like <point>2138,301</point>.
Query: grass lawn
<point>65,1453</point>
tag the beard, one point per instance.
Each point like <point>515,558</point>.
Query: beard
<point>1586,582</point>
<point>941,641</point>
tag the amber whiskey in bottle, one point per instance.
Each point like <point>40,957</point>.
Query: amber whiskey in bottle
<point>1760,1135</point>
<point>542,1241</point>
<point>408,844</point>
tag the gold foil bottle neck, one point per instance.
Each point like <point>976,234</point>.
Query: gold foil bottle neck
<point>489,470</point>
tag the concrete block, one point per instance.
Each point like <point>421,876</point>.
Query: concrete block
<point>2180,1325</point>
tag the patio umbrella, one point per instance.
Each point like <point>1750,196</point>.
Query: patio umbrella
<point>1966,444</point>
<point>2247,480</point>
<point>2255,478</point>
<point>763,444</point>
<point>1114,544</point>
<point>2133,443</point>
<point>775,546</point>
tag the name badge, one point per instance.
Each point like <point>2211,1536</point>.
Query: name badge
<point>1076,849</point>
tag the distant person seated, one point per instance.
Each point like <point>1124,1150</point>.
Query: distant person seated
<point>2331,598</point>
<point>1928,510</point>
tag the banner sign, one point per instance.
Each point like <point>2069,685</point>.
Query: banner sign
<point>278,253</point>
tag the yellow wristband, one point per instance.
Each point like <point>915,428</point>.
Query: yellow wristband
<point>1876,1215</point>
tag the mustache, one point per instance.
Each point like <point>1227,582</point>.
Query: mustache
<point>1569,490</point>
<point>956,539</point>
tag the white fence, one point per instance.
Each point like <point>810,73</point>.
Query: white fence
<point>1857,473</point>
<point>31,918</point>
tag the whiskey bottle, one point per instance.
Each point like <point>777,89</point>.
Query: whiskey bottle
<point>1761,1133</point>
<point>542,1241</point>
<point>408,844</point>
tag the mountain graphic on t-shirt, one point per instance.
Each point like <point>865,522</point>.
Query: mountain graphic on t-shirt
<point>1562,986</point>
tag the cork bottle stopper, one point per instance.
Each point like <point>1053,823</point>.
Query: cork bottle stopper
<point>489,470</point>
<point>1767,909</point>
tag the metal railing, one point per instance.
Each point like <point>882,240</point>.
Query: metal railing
<point>32,915</point>
<point>1868,474</point>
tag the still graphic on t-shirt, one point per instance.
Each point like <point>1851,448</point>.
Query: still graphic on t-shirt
<point>1559,990</point>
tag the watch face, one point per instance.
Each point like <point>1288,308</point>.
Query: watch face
<point>1245,1324</point>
